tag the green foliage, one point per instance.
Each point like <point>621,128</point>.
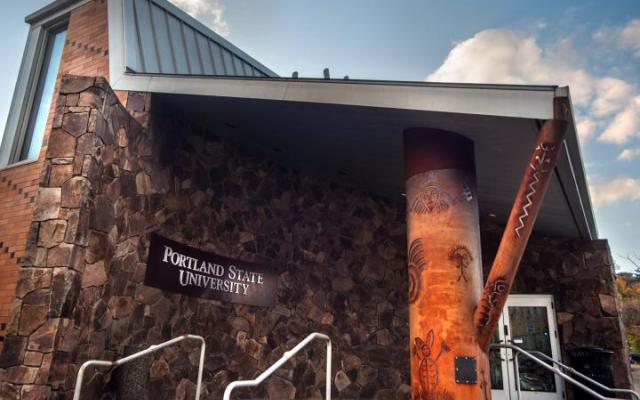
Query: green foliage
<point>629,291</point>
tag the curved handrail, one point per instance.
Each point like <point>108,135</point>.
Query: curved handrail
<point>150,349</point>
<point>583,376</point>
<point>287,355</point>
<point>554,370</point>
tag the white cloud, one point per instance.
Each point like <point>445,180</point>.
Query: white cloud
<point>630,36</point>
<point>586,128</point>
<point>505,56</point>
<point>612,95</point>
<point>210,12</point>
<point>605,193</point>
<point>625,125</point>
<point>629,154</point>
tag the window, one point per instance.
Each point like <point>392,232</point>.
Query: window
<point>37,119</point>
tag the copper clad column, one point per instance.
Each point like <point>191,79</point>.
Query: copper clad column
<point>445,267</point>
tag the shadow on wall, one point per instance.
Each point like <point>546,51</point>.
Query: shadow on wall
<point>339,253</point>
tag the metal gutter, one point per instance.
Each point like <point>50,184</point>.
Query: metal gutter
<point>580,201</point>
<point>386,82</point>
<point>533,102</point>
<point>50,9</point>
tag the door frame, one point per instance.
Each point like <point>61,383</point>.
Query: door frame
<point>508,370</point>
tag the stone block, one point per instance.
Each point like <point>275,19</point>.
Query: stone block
<point>61,144</point>
<point>97,246</point>
<point>136,102</point>
<point>31,317</point>
<point>51,233</point>
<point>75,84</point>
<point>9,391</point>
<point>121,306</point>
<point>374,268</point>
<point>147,294</point>
<point>278,388</point>
<point>75,123</point>
<point>64,292</point>
<point>341,381</point>
<point>143,183</point>
<point>75,192</point>
<point>47,204</point>
<point>44,338</point>
<point>71,100</point>
<point>101,216</point>
<point>367,375</point>
<point>32,358</point>
<point>32,279</point>
<point>88,144</point>
<point>92,97</point>
<point>94,275</point>
<point>35,392</point>
<point>60,255</point>
<point>159,369</point>
<point>13,351</point>
<point>38,297</point>
<point>608,304</point>
<point>21,374</point>
<point>59,174</point>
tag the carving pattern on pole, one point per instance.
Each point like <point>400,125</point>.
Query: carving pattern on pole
<point>445,269</point>
<point>523,215</point>
<point>450,314</point>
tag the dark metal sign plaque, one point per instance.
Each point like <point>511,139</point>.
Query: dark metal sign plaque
<point>466,371</point>
<point>179,268</point>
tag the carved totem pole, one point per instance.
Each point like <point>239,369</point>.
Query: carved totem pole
<point>451,316</point>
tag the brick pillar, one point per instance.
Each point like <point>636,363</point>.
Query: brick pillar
<point>445,266</point>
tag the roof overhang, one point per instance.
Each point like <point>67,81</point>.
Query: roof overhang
<point>355,128</point>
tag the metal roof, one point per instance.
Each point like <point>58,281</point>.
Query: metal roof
<point>161,38</point>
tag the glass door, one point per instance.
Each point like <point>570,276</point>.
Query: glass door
<point>527,321</point>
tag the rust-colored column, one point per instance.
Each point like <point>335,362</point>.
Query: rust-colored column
<point>535,181</point>
<point>445,267</point>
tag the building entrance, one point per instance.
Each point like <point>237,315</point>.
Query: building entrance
<point>527,321</point>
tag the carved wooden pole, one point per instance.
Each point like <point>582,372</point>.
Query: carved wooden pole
<point>521,220</point>
<point>445,268</point>
<point>451,319</point>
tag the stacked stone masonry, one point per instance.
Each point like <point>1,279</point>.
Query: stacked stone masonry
<point>86,34</point>
<point>111,177</point>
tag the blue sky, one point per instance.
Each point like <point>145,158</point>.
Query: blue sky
<point>592,46</point>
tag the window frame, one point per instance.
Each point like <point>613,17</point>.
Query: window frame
<point>25,95</point>
<point>23,143</point>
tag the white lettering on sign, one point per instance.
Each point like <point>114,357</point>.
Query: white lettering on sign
<point>194,272</point>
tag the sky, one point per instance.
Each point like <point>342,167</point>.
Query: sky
<point>592,46</point>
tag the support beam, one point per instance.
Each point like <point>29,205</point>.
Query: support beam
<point>445,267</point>
<point>523,215</point>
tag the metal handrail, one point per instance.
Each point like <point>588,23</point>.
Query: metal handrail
<point>150,349</point>
<point>554,370</point>
<point>287,355</point>
<point>583,376</point>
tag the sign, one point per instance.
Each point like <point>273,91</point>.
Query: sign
<point>179,268</point>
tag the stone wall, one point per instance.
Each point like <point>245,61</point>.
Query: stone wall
<point>580,276</point>
<point>339,254</point>
<point>109,181</point>
<point>85,53</point>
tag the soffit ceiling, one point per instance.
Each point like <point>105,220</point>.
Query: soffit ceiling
<point>364,146</point>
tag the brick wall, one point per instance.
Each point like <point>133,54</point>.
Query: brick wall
<point>85,53</point>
